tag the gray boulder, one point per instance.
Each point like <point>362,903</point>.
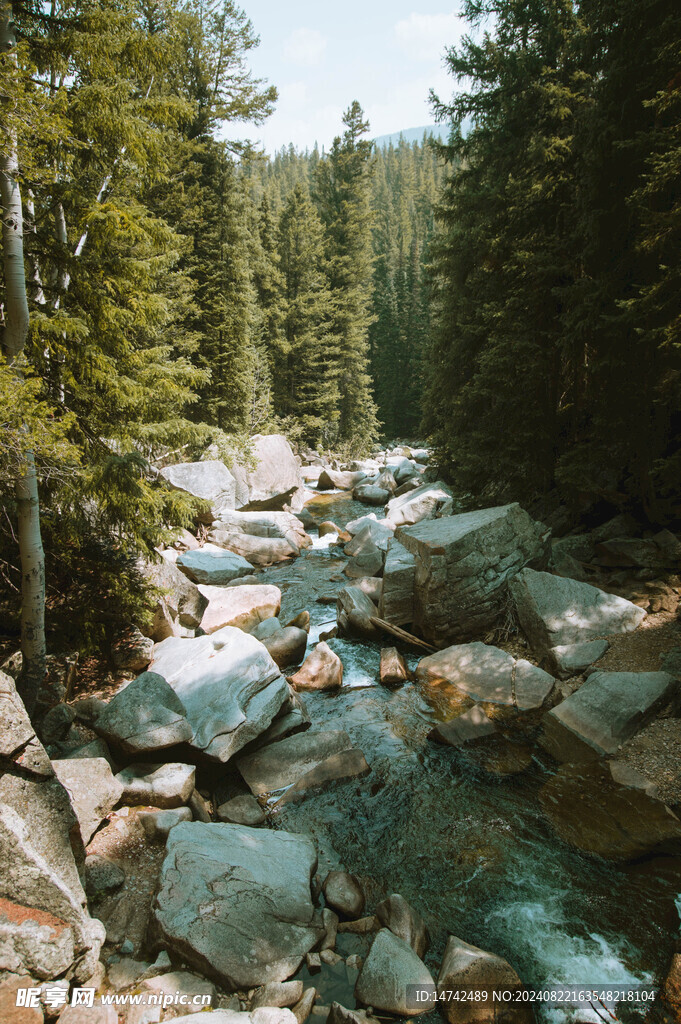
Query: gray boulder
<point>41,848</point>
<point>213,565</point>
<point>370,536</point>
<point>163,785</point>
<point>229,684</point>
<point>336,480</point>
<point>34,942</point>
<point>390,976</point>
<point>276,480</point>
<point>371,494</point>
<point>606,710</point>
<point>241,607</point>
<point>397,595</point>
<point>92,788</point>
<point>405,922</point>
<point>488,674</point>
<point>259,551</point>
<point>367,564</point>
<point>210,480</point>
<point>184,604</point>
<point>282,764</point>
<point>354,613</point>
<point>235,902</point>
<point>571,659</point>
<point>554,611</point>
<point>287,646</point>
<point>463,566</point>
<point>242,810</point>
<point>146,715</point>
<point>277,525</point>
<point>425,502</point>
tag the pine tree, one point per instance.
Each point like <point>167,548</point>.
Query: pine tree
<point>343,184</point>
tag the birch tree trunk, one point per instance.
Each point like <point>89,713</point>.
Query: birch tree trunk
<point>14,334</point>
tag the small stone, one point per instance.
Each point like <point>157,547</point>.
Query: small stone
<point>200,807</point>
<point>393,670</point>
<point>157,824</point>
<point>330,957</point>
<point>102,876</point>
<point>313,962</point>
<point>278,993</point>
<point>330,922</point>
<point>242,810</point>
<point>301,1011</point>
<point>362,926</point>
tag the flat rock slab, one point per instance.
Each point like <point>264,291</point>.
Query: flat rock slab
<point>572,659</point>
<point>606,710</point>
<point>609,809</point>
<point>235,902</point>
<point>213,565</point>
<point>229,684</point>
<point>463,566</point>
<point>390,975</point>
<point>164,785</point>
<point>488,674</point>
<point>243,607</point>
<point>282,764</point>
<point>146,715</point>
<point>347,764</point>
<point>92,788</point>
<point>554,611</point>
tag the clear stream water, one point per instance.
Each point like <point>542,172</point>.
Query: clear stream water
<point>471,851</point>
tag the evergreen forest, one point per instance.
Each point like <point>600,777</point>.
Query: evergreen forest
<point>510,296</point>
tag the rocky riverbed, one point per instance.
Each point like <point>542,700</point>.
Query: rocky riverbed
<point>321,843</point>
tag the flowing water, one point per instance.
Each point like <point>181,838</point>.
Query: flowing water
<point>471,851</point>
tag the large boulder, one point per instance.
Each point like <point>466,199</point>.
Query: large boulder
<point>487,674</point>
<point>229,684</point>
<point>463,565</point>
<point>371,494</point>
<point>213,565</point>
<point>92,789</point>
<point>397,595</point>
<point>281,525</point>
<point>41,848</point>
<point>611,810</point>
<point>243,607</point>
<point>210,480</point>
<point>606,710</point>
<point>184,604</point>
<point>321,670</point>
<point>554,611</point>
<point>424,502</point>
<point>391,976</point>
<point>160,785</point>
<point>282,764</point>
<point>235,902</point>
<point>275,480</point>
<point>336,480</point>
<point>467,968</point>
<point>663,551</point>
<point>405,922</point>
<point>371,535</point>
<point>286,646</point>
<point>255,550</point>
<point>146,715</point>
<point>34,941</point>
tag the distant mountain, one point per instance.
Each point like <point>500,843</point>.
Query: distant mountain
<point>411,135</point>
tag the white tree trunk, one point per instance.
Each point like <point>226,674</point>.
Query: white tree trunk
<point>14,334</point>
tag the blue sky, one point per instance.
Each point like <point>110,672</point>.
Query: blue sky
<point>385,53</point>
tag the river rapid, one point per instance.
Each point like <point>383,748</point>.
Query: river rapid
<point>470,849</point>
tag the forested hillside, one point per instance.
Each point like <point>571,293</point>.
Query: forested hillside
<point>558,359</point>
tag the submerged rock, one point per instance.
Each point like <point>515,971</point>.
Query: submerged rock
<point>470,727</point>
<point>236,903</point>
<point>284,763</point>
<point>611,810</point>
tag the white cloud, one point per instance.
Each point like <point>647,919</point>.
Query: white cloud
<point>425,36</point>
<point>305,46</point>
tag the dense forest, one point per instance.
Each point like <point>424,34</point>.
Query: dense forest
<point>512,295</point>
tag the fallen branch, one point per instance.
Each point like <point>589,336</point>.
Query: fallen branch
<point>401,634</point>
